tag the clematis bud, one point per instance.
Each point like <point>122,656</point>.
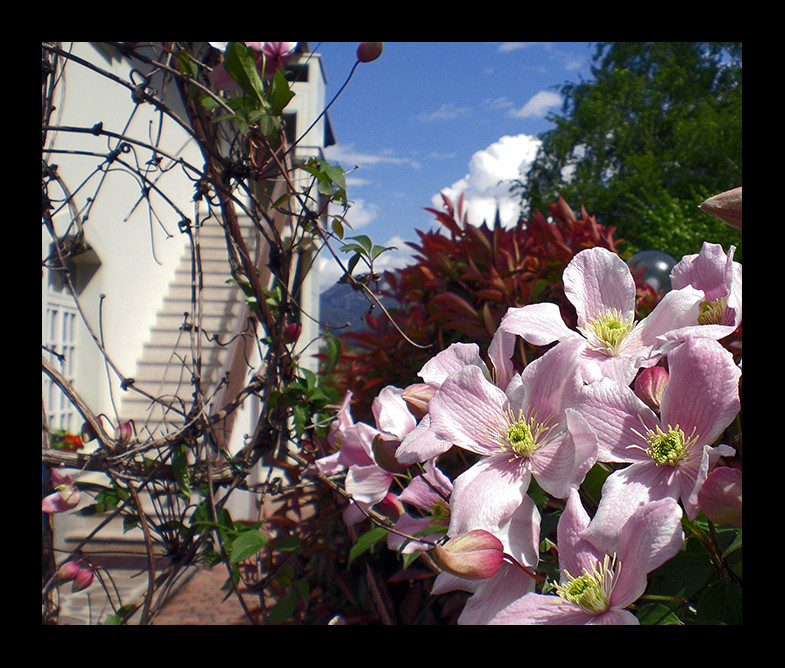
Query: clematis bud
<point>475,555</point>
<point>80,575</point>
<point>650,385</point>
<point>417,397</point>
<point>292,332</point>
<point>83,579</point>
<point>124,432</point>
<point>67,571</point>
<point>726,206</point>
<point>391,506</point>
<point>720,496</point>
<point>369,51</point>
<point>88,432</point>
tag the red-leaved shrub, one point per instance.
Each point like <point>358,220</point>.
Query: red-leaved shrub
<point>461,283</point>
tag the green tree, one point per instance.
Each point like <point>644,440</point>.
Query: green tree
<point>654,132</point>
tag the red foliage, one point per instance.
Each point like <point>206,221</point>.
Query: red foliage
<point>461,284</point>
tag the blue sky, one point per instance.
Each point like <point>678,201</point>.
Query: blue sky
<point>432,117</point>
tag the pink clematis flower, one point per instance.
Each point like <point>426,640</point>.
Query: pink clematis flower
<point>529,429</point>
<point>669,455</point>
<point>596,586</point>
<point>718,276</point>
<point>428,493</point>
<point>602,289</point>
<point>520,538</point>
<point>423,443</point>
<point>366,453</point>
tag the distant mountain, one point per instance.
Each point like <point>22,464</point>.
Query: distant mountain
<point>341,304</point>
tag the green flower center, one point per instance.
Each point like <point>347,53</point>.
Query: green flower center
<point>668,448</point>
<point>523,437</point>
<point>440,514</point>
<point>591,590</point>
<point>711,313</point>
<point>606,333</point>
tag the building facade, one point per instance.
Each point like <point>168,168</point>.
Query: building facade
<point>120,326</point>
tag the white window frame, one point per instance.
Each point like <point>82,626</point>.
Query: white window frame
<point>59,338</point>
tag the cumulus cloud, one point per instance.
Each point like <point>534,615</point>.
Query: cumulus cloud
<point>360,213</point>
<point>538,105</point>
<point>487,185</point>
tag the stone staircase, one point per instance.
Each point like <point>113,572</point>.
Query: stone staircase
<point>164,371</point>
<point>176,341</point>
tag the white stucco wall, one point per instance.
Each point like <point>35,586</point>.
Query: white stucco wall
<point>138,243</point>
<point>138,250</point>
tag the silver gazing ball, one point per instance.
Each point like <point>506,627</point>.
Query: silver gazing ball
<point>656,267</point>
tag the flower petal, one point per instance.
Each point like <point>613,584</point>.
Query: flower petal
<point>651,536</point>
<point>392,413</point>
<point>454,358</point>
<point>615,414</point>
<point>368,484</point>
<point>421,444</point>
<point>539,324</point>
<point>541,609</point>
<point>703,390</point>
<point>597,281</point>
<point>465,410</point>
<point>624,492</point>
<point>486,495</point>
<point>561,465</point>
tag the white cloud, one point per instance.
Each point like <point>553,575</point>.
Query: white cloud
<point>360,214</point>
<point>349,157</point>
<point>487,185</point>
<point>538,105</point>
<point>514,46</point>
<point>446,112</point>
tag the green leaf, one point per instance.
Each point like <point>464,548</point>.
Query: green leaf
<point>376,251</point>
<point>300,419</point>
<point>366,542</point>
<point>363,245</point>
<point>280,94</point>
<point>181,470</point>
<point>720,604</point>
<point>331,178</point>
<point>247,544</point>
<point>333,352</point>
<point>338,227</point>
<point>240,63</point>
<point>208,103</point>
<point>284,608</point>
<point>288,544</point>
<point>657,614</point>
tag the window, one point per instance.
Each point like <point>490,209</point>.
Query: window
<point>59,341</point>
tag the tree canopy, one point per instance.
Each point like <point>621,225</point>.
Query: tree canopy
<point>654,132</point>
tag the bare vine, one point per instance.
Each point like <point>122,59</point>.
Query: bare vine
<point>175,484</point>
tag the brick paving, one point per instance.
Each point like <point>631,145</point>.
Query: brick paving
<point>200,602</point>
